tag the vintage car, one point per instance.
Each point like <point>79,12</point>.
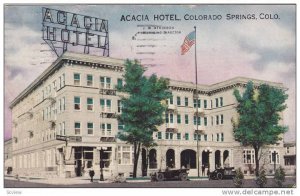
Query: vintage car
<point>223,173</point>
<point>170,174</point>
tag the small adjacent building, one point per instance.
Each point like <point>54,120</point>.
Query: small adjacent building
<point>8,156</point>
<point>290,158</point>
<point>65,124</point>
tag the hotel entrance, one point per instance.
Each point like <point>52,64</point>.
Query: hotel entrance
<point>83,160</point>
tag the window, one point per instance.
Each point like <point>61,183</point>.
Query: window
<point>178,101</point>
<point>63,128</point>
<point>54,85</point>
<point>273,157</point>
<point>76,79</point>
<point>217,102</point>
<point>105,105</point>
<point>59,104</point>
<point>89,79</point>
<point>287,150</point>
<point>195,120</point>
<point>218,137</point>
<point>120,82</point>
<point>124,155</point>
<point>63,82</point>
<point>108,105</point>
<point>119,106</point>
<point>197,103</point>
<point>171,136</point>
<point>105,129</point>
<point>178,136</point>
<point>178,119</point>
<point>102,129</point>
<point>90,128</point>
<point>60,128</point>
<point>186,136</point>
<point>205,103</point>
<point>159,135</point>
<point>167,117</point>
<point>212,137</point>
<point>221,101</point>
<point>186,101</point>
<point>205,137</point>
<point>171,100</point>
<point>167,135</point>
<point>105,82</point>
<point>171,118</point>
<point>77,128</point>
<point>59,82</point>
<point>77,103</point>
<point>120,126</point>
<point>248,156</point>
<point>108,129</point>
<point>211,104</point>
<point>222,137</point>
<point>217,120</point>
<point>90,104</point>
<point>205,121</point>
<point>197,136</point>
<point>222,119</point>
<point>64,103</point>
<point>186,119</point>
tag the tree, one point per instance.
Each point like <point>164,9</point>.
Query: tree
<point>142,109</point>
<point>259,115</point>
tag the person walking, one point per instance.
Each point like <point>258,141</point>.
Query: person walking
<point>92,173</point>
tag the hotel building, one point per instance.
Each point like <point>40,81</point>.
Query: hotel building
<point>66,119</point>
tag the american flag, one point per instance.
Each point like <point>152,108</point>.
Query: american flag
<point>188,42</point>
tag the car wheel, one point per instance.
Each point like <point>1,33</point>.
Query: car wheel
<point>219,176</point>
<point>160,177</point>
<point>183,176</point>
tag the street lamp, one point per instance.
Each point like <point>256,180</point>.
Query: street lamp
<point>101,163</point>
<point>274,159</point>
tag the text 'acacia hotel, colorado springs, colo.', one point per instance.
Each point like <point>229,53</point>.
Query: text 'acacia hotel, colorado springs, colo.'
<point>75,99</point>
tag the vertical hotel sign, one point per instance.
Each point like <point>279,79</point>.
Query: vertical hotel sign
<point>66,31</point>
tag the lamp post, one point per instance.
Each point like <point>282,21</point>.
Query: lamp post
<point>101,164</point>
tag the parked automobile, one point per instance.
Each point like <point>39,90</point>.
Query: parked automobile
<point>170,174</point>
<point>222,173</point>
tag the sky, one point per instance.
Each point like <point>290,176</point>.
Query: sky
<point>255,48</point>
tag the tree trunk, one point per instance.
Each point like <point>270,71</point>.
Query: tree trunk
<point>256,149</point>
<point>137,147</point>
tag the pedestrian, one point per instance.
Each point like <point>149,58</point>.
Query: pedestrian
<point>91,173</point>
<point>203,169</point>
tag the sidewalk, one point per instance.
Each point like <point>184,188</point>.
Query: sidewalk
<point>81,180</point>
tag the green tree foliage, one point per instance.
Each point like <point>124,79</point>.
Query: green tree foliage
<point>238,179</point>
<point>142,109</point>
<point>279,176</point>
<point>259,114</point>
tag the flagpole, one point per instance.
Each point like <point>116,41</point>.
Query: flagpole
<point>197,110</point>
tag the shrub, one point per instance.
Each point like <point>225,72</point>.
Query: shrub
<point>279,176</point>
<point>238,179</point>
<point>261,180</point>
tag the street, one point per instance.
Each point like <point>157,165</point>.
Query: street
<point>248,183</point>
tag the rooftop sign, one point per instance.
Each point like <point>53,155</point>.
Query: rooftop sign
<point>64,31</point>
